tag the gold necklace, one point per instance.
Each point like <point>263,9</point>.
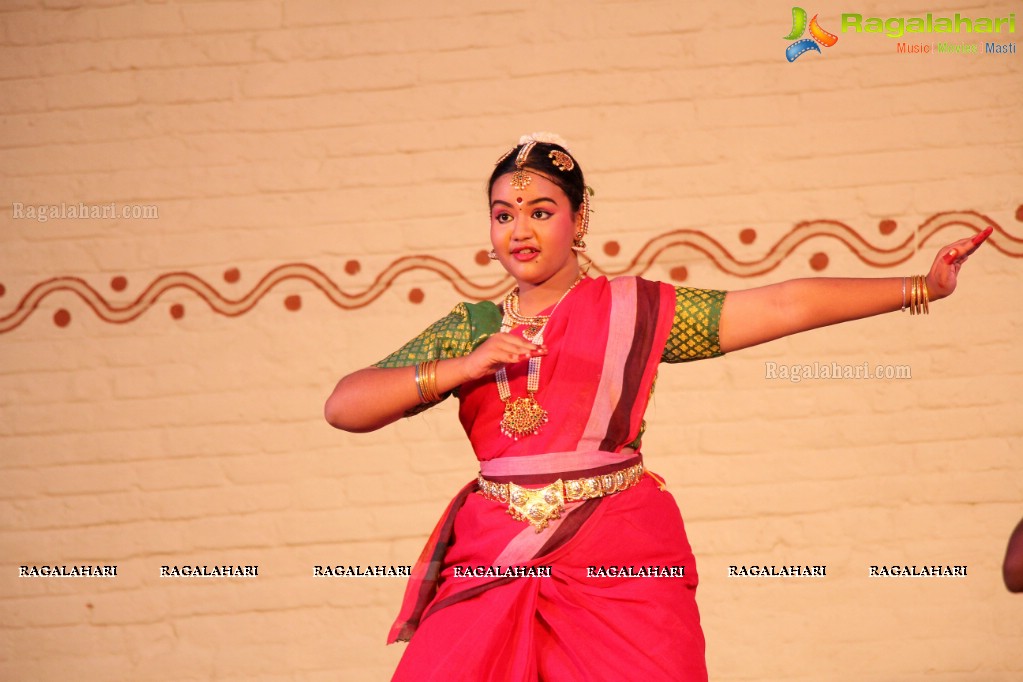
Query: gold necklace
<point>532,324</point>
<point>524,416</point>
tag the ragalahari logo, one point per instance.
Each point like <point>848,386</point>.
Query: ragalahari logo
<point>819,35</point>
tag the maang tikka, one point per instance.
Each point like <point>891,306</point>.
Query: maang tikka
<point>520,179</point>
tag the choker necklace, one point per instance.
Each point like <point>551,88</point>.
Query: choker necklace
<point>514,318</point>
<point>524,416</point>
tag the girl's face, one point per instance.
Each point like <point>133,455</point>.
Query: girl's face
<point>532,231</point>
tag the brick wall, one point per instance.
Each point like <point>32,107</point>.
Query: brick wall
<point>342,136</point>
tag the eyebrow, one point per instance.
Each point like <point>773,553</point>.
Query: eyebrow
<point>528,203</point>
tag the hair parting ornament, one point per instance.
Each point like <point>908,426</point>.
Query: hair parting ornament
<point>520,179</point>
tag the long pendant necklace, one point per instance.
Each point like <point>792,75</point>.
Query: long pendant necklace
<point>524,416</point>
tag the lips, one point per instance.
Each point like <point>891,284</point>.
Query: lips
<point>525,253</point>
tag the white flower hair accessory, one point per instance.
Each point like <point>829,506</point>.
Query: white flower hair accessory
<point>546,138</point>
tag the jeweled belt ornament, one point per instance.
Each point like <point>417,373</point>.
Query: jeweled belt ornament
<point>539,506</point>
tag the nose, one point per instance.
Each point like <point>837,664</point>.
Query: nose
<point>523,226</point>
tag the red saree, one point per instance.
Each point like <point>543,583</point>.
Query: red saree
<point>605,342</point>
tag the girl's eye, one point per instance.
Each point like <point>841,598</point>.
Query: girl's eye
<point>540,214</point>
<point>502,217</point>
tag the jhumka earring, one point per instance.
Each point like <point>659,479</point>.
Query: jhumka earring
<point>492,255</point>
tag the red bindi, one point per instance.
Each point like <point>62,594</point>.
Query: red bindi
<point>518,200</point>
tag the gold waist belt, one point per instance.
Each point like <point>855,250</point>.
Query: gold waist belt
<point>539,505</point>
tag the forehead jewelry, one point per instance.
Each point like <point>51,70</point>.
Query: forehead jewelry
<point>520,179</point>
<point>562,160</point>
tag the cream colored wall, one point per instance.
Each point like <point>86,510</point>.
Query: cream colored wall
<point>333,133</point>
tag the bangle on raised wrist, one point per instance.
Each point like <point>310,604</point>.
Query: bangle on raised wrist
<point>429,381</point>
<point>420,366</point>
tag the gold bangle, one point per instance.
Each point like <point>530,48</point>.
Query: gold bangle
<point>912,296</point>
<point>420,370</point>
<point>904,306</point>
<point>926,295</point>
<point>433,381</point>
<point>430,384</point>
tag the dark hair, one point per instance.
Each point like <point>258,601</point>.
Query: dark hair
<point>538,160</point>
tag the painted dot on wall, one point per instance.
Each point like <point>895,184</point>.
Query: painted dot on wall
<point>678,273</point>
<point>2,290</point>
<point>352,267</point>
<point>62,318</point>
<point>1019,213</point>
<point>416,295</point>
<point>177,311</point>
<point>482,257</point>
<point>612,248</point>
<point>232,275</point>
<point>119,283</point>
<point>887,226</point>
<point>819,261</point>
<point>293,302</point>
<point>748,236</point>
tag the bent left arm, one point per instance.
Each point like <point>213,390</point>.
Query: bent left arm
<point>754,316</point>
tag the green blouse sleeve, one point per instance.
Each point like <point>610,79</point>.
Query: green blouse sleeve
<point>452,336</point>
<point>694,332</point>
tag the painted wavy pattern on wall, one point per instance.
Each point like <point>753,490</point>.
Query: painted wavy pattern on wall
<point>833,232</point>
